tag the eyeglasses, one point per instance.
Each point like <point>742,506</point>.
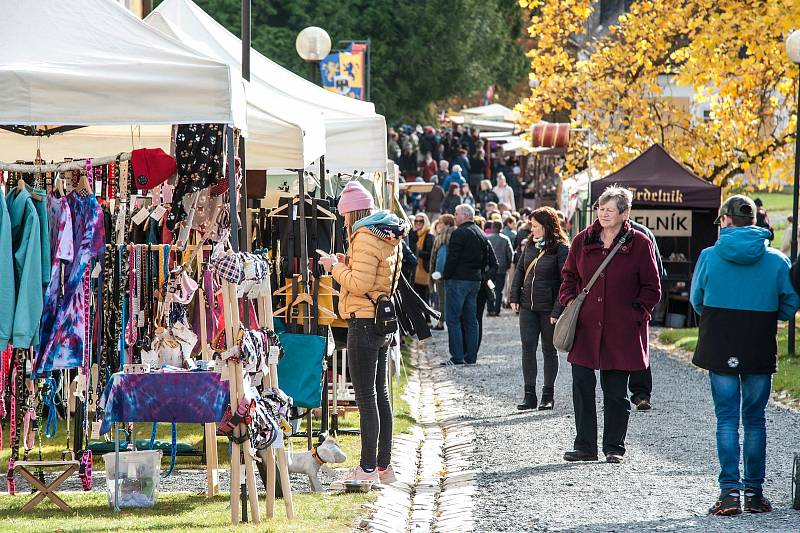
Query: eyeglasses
<point>419,221</point>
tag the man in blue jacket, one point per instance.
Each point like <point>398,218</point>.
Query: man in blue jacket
<point>740,289</point>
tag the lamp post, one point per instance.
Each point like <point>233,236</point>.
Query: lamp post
<point>313,44</point>
<point>793,51</point>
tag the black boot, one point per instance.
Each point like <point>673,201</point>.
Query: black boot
<point>547,402</point>
<point>530,399</point>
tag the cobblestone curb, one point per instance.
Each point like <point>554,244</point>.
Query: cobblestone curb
<point>435,488</point>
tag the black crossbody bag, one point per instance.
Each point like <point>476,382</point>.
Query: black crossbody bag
<point>385,310</point>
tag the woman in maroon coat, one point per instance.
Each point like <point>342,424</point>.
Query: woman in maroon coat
<point>611,335</point>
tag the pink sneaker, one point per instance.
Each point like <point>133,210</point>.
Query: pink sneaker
<point>386,475</point>
<point>356,474</point>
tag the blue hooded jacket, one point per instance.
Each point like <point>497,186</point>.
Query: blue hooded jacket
<point>740,289</point>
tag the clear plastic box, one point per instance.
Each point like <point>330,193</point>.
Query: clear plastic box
<point>139,474</point>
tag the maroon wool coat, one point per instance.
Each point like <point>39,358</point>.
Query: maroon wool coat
<point>612,330</point>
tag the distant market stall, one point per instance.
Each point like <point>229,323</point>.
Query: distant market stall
<point>680,209</point>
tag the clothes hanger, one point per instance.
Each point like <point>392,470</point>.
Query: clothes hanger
<point>60,182</point>
<point>84,187</point>
<point>280,211</point>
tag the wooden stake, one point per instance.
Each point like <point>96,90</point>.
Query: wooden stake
<point>266,319</point>
<point>234,399</point>
<point>209,430</point>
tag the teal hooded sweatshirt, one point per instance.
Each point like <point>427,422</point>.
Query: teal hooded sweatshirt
<point>27,250</point>
<point>7,287</point>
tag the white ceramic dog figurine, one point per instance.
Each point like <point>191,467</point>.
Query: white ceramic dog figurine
<point>312,461</point>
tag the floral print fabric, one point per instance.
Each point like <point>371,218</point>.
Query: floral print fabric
<point>199,154</point>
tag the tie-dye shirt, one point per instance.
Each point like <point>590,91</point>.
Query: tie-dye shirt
<point>77,237</point>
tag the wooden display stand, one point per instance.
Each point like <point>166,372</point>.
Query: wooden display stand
<point>209,430</point>
<point>49,489</point>
<point>236,383</point>
<point>265,318</point>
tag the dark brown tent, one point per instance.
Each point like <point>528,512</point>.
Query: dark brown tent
<point>658,180</point>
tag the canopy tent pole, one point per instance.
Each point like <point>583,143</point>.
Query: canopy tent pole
<point>234,237</point>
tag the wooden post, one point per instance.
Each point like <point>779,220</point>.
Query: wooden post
<point>209,430</point>
<point>237,377</point>
<point>267,320</point>
<point>234,400</point>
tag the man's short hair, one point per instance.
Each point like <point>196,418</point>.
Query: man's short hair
<point>466,210</point>
<point>497,226</point>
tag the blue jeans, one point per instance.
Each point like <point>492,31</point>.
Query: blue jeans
<point>461,302</point>
<point>746,394</point>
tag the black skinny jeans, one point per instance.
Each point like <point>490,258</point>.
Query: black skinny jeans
<point>616,409</point>
<point>533,324</point>
<point>367,353</point>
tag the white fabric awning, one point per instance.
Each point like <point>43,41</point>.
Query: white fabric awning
<point>492,111</point>
<point>92,62</point>
<point>355,136</point>
<point>281,132</point>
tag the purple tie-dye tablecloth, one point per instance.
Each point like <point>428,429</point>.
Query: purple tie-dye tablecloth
<point>196,397</point>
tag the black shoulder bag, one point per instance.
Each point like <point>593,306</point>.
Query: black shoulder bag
<point>385,311</point>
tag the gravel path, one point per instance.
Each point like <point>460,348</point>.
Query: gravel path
<point>669,477</point>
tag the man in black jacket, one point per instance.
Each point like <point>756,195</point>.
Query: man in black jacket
<point>640,382</point>
<point>463,274</point>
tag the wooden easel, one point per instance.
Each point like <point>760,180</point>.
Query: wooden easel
<point>236,384</point>
<point>265,318</point>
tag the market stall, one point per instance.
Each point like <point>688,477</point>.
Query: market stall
<point>355,136</point>
<point>680,209</point>
<point>108,281</point>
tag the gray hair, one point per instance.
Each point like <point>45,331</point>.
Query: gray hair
<point>456,168</point>
<point>621,195</point>
<point>466,210</point>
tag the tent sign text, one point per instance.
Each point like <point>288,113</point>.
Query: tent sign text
<point>660,196</point>
<point>665,222</point>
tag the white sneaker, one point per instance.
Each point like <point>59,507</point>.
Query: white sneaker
<point>387,476</point>
<point>356,474</point>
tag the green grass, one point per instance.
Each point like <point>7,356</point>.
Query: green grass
<point>179,512</point>
<point>773,201</point>
<point>786,379</point>
<point>321,513</point>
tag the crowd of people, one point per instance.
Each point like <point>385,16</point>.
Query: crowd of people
<point>461,167</point>
<point>486,256</point>
<point>472,263</point>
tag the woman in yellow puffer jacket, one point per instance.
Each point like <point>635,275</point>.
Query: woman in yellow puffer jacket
<point>370,269</point>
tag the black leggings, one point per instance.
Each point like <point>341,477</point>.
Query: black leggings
<point>532,325</point>
<point>367,353</point>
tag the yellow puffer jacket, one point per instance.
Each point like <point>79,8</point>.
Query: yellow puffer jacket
<point>370,267</point>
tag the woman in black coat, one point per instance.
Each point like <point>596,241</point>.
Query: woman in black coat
<point>452,200</point>
<point>484,196</point>
<point>534,294</point>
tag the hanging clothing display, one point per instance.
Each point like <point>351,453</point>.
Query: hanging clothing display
<point>7,292</point>
<point>64,322</point>
<point>27,251</point>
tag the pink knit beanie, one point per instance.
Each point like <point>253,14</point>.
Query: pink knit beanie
<point>355,197</point>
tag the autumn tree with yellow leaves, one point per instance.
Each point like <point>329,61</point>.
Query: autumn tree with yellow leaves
<point>729,52</point>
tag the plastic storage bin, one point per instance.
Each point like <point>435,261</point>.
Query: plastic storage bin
<point>138,477</point>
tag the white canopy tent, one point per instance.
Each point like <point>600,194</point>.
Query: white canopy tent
<point>488,118</point>
<point>109,69</point>
<point>355,135</point>
<point>282,132</point>
<point>492,111</point>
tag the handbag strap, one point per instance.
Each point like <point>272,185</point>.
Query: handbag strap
<point>532,266</point>
<point>605,262</point>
